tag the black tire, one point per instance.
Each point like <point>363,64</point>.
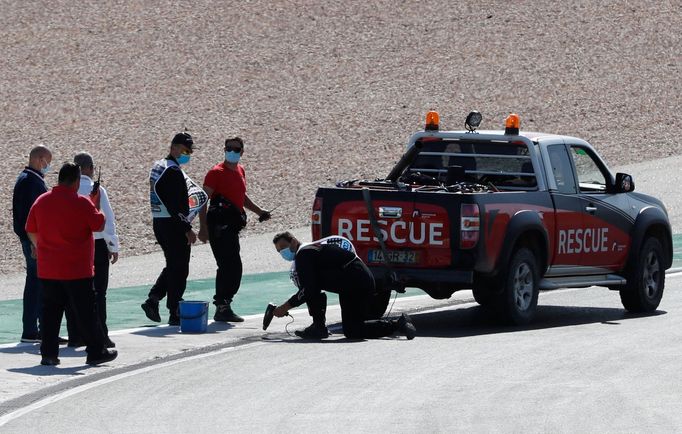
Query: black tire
<point>519,299</point>
<point>646,279</point>
<point>483,296</point>
<point>377,304</point>
<point>486,291</point>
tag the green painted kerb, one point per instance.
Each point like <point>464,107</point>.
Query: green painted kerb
<point>123,304</point>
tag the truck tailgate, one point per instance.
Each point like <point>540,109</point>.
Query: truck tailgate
<point>416,234</point>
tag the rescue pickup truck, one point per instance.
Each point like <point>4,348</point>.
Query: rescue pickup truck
<point>504,213</point>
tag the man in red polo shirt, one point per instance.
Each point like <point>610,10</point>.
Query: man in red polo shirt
<point>225,184</point>
<point>60,225</point>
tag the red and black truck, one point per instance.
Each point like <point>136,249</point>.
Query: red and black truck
<point>504,213</point>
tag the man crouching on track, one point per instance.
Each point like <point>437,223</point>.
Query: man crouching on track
<point>331,264</point>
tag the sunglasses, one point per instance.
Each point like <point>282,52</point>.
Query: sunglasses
<point>232,149</point>
<point>186,152</point>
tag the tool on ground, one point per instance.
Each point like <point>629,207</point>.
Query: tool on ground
<point>269,314</point>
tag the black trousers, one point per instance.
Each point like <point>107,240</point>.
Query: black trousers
<point>173,278</point>
<point>225,246</point>
<point>79,296</point>
<point>355,287</point>
<point>102,281</point>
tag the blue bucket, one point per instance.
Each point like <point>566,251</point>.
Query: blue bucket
<point>193,316</point>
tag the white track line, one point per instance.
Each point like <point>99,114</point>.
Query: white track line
<point>85,387</point>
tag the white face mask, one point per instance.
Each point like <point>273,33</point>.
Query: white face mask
<point>45,169</point>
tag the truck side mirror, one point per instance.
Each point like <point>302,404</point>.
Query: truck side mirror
<point>624,183</point>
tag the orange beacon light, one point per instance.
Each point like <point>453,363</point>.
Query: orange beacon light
<point>432,121</point>
<point>512,124</point>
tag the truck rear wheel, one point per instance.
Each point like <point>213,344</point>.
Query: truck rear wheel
<point>520,295</point>
<point>646,280</point>
<point>486,291</point>
<point>483,296</point>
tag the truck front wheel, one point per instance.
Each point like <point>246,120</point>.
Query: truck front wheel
<point>645,282</point>
<point>520,296</point>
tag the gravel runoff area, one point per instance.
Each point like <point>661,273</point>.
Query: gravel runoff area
<point>320,91</point>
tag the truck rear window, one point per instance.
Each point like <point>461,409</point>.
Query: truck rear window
<point>507,166</point>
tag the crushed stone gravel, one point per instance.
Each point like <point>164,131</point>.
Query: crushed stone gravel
<point>320,91</point>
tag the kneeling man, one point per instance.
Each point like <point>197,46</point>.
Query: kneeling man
<point>331,264</point>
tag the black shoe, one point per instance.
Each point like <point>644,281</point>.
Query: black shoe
<point>313,331</point>
<point>224,313</point>
<point>109,343</point>
<point>406,327</point>
<point>62,341</point>
<point>75,343</point>
<point>105,356</point>
<point>173,320</point>
<point>49,361</point>
<point>31,339</point>
<point>151,309</point>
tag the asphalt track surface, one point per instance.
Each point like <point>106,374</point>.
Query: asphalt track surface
<point>584,365</point>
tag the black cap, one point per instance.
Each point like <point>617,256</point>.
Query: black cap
<point>183,139</point>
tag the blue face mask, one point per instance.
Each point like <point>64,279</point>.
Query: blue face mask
<point>45,169</point>
<point>183,159</point>
<point>287,254</point>
<point>232,157</point>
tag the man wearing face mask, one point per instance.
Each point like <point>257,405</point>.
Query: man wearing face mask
<point>330,264</point>
<point>29,185</point>
<point>172,228</point>
<point>225,184</point>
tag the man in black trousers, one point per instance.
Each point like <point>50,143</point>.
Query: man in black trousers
<point>169,200</point>
<point>29,186</point>
<point>60,225</point>
<point>225,184</point>
<point>328,266</point>
<point>106,242</point>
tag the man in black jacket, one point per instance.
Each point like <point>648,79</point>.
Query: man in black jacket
<point>30,184</point>
<point>323,265</point>
<point>172,227</point>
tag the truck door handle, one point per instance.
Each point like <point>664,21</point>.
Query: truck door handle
<point>591,209</point>
<point>390,212</point>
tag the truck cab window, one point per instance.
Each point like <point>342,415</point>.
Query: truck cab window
<point>561,168</point>
<point>590,177</point>
<point>506,166</point>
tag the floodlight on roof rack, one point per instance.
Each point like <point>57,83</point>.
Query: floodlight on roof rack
<point>473,121</point>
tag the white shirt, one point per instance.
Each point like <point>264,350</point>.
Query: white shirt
<point>109,232</point>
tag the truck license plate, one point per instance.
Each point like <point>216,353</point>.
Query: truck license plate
<point>395,256</point>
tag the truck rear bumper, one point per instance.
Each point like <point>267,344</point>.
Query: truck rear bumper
<point>420,278</point>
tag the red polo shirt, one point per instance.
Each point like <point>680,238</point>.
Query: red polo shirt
<point>230,184</point>
<point>64,223</point>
